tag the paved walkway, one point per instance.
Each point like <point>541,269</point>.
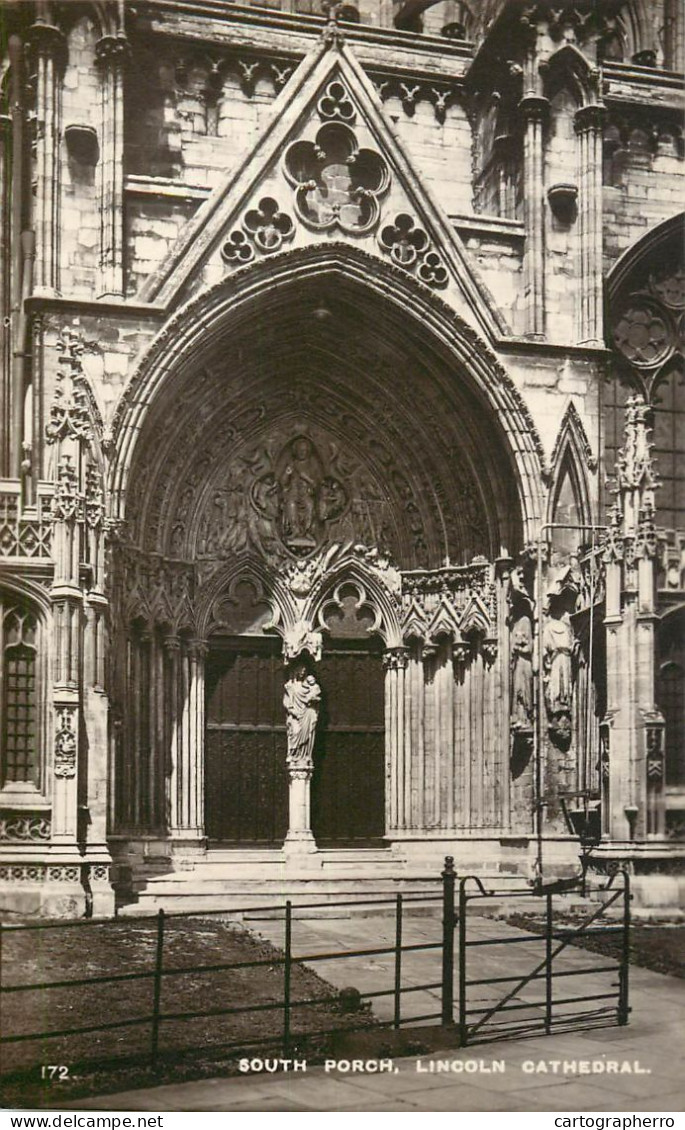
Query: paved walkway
<point>637,1068</point>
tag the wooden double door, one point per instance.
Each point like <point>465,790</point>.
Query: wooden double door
<point>246,780</point>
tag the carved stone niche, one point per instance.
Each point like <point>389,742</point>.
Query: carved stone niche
<point>242,609</point>
<point>349,613</point>
<point>521,684</point>
<point>559,650</point>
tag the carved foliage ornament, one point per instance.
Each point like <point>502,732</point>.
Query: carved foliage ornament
<point>17,827</point>
<point>66,500</point>
<point>338,185</point>
<point>634,465</point>
<point>70,410</point>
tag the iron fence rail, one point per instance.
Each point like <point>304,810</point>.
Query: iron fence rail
<point>454,922</point>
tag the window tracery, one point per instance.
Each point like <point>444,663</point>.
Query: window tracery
<point>20,693</point>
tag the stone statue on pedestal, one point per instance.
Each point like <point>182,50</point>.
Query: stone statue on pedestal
<point>301,699</point>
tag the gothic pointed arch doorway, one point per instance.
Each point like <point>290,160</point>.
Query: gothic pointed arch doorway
<point>326,427</point>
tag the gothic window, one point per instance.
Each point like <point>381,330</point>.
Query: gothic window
<point>671,693</point>
<point>19,701</point>
<point>567,511</point>
<point>669,429</point>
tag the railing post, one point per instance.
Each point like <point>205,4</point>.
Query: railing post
<point>1,977</point>
<point>286,976</point>
<point>463,1030</point>
<point>623,976</point>
<point>448,879</point>
<point>549,939</point>
<point>159,968</point>
<point>398,962</point>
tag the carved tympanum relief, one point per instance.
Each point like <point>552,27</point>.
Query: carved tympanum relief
<point>286,498</point>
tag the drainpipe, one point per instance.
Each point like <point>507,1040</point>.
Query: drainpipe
<point>539,803</point>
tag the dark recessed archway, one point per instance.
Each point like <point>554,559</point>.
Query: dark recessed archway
<point>333,355</point>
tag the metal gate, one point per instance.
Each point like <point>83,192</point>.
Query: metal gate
<point>551,979</point>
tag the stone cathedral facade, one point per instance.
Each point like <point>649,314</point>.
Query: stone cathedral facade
<point>342,511</point>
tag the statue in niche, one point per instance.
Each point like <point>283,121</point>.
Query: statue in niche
<point>558,648</point>
<point>521,683</point>
<point>301,700</point>
<point>522,675</point>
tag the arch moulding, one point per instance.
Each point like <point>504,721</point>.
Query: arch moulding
<point>248,295</point>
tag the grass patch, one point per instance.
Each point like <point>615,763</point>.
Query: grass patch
<point>119,1058</point>
<point>658,946</point>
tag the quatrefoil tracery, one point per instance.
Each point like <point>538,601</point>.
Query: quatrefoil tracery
<point>335,104</point>
<point>265,227</point>
<point>409,246</point>
<point>337,183</point>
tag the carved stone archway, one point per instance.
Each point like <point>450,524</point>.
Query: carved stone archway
<point>318,426</point>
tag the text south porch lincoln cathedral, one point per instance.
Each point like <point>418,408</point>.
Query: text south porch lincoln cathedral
<point>342,518</point>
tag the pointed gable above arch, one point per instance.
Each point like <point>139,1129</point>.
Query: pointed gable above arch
<point>328,165</point>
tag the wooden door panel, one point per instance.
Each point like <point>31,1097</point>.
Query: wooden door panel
<point>246,777</point>
<point>348,787</point>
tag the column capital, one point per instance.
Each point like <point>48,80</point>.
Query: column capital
<point>171,643</point>
<point>588,119</point>
<point>47,40</point>
<point>197,649</point>
<point>300,772</point>
<point>396,658</point>
<point>112,50</point>
<point>534,108</point>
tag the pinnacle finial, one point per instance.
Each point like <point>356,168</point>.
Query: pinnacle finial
<point>332,10</point>
<point>332,32</point>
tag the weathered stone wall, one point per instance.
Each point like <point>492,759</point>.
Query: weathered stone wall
<point>81,105</point>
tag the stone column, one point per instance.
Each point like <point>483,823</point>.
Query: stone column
<point>196,750</point>
<point>5,295</point>
<point>300,837</point>
<point>49,51</point>
<point>535,111</point>
<point>174,707</point>
<point>634,772</point>
<point>67,601</point>
<point>396,739</point>
<point>186,824</point>
<point>112,53</point>
<point>588,124</point>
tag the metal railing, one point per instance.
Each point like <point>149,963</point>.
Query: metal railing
<point>454,921</point>
<point>160,974</point>
<point>546,1018</point>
